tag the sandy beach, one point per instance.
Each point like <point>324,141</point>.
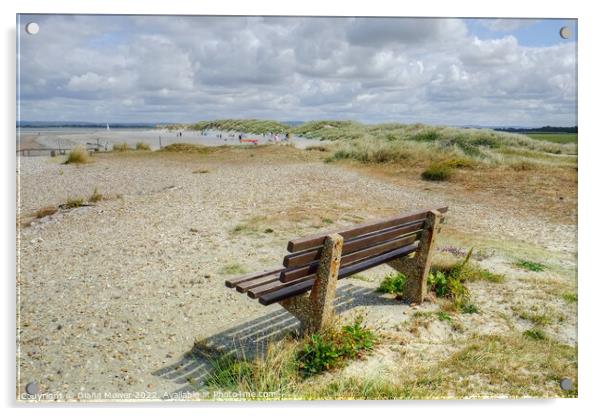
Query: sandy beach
<point>114,295</point>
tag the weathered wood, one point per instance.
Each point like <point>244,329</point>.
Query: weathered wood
<point>298,288</point>
<point>272,286</point>
<point>317,240</point>
<point>361,242</point>
<point>288,275</point>
<point>250,284</point>
<point>232,282</point>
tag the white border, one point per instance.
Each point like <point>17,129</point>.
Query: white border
<point>590,141</point>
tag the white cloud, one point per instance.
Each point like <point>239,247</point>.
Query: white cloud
<point>371,69</point>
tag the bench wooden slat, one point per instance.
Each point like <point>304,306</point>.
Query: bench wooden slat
<point>316,240</point>
<point>302,287</point>
<point>303,258</point>
<point>288,275</point>
<point>232,282</point>
<point>273,286</point>
<point>249,284</point>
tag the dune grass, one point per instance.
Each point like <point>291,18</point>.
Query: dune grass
<point>121,147</point>
<point>78,155</point>
<point>142,146</point>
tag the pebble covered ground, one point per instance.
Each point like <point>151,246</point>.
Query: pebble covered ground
<point>113,295</point>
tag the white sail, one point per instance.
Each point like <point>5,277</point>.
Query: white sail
<point>108,127</point>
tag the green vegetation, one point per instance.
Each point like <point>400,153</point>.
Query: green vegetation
<point>448,281</point>
<point>233,268</point>
<point>330,349</point>
<point>121,147</point>
<point>185,148</point>
<point>554,137</point>
<point>530,265</point>
<point>243,126</point>
<point>535,333</point>
<point>393,283</point>
<point>201,171</point>
<point>437,172</point>
<point>569,297</point>
<point>288,362</point>
<point>74,203</point>
<point>78,155</point>
<point>142,146</point>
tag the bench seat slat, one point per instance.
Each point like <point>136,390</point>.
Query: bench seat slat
<point>232,282</point>
<point>317,240</point>
<point>303,258</point>
<point>272,287</point>
<point>288,275</point>
<point>351,269</point>
<point>249,284</point>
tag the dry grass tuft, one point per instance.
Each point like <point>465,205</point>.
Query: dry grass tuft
<point>142,146</point>
<point>121,147</point>
<point>46,211</point>
<point>78,155</point>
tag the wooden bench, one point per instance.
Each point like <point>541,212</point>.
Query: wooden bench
<point>315,263</point>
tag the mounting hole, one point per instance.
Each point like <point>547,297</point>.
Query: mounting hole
<point>566,384</point>
<point>565,32</point>
<point>32,28</point>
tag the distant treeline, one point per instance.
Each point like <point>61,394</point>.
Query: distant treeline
<point>545,129</point>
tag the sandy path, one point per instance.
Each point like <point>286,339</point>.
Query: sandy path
<point>113,295</point>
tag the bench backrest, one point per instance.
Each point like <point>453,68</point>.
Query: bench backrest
<point>365,246</point>
<point>361,243</point>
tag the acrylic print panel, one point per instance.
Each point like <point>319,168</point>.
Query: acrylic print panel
<point>186,182</point>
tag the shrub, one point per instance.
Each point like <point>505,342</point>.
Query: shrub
<point>437,172</point>
<point>393,283</point>
<point>46,211</point>
<point>329,349</point>
<point>530,265</point>
<point>78,155</point>
<point>121,147</point>
<point>142,146</point>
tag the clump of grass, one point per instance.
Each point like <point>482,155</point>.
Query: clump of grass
<point>437,172</point>
<point>234,268</point>
<point>74,203</point>
<point>449,282</point>
<point>317,148</point>
<point>96,196</point>
<point>46,211</point>
<point>569,297</point>
<point>443,316</point>
<point>540,319</point>
<point>275,371</point>
<point>522,166</point>
<point>200,171</point>
<point>530,265</point>
<point>121,147</point>
<point>393,283</point>
<point>331,348</point>
<point>142,146</point>
<point>286,363</point>
<point>78,155</point>
<point>535,333</point>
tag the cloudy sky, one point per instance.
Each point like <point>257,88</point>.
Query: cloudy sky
<point>182,69</point>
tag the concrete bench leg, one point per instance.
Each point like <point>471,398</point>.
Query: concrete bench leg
<point>315,310</point>
<point>418,267</point>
